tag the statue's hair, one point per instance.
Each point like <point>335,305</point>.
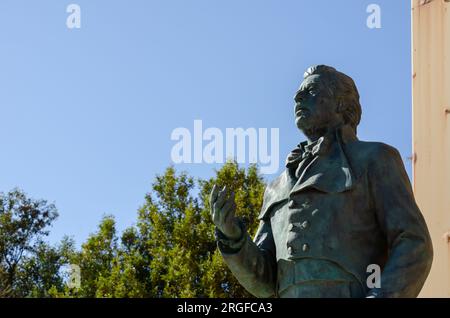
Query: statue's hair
<point>343,88</point>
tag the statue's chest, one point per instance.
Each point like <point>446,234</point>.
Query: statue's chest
<point>311,218</point>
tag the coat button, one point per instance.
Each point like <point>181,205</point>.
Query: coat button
<point>291,204</point>
<point>306,204</point>
<point>305,248</point>
<point>305,224</point>
<point>290,250</point>
<point>290,227</point>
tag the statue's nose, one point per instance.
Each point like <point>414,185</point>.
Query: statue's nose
<point>299,98</point>
<point>300,106</point>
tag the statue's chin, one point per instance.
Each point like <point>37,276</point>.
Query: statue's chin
<point>310,127</point>
<point>302,123</point>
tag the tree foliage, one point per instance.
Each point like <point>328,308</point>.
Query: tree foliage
<point>23,223</point>
<point>169,252</point>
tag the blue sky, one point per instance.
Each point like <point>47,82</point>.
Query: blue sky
<point>87,113</point>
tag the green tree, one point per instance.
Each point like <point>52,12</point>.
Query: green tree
<point>179,235</point>
<point>40,273</point>
<point>5,289</point>
<point>96,258</point>
<point>249,187</point>
<point>126,279</point>
<point>23,224</point>
<point>170,252</point>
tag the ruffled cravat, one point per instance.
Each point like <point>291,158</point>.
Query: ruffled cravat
<point>301,156</point>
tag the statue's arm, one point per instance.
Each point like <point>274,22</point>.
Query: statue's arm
<point>410,248</point>
<point>253,263</point>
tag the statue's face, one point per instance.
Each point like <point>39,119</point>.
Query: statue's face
<point>315,108</point>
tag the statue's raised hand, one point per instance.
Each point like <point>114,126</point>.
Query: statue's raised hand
<point>223,210</point>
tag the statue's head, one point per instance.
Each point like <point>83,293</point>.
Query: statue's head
<point>326,98</point>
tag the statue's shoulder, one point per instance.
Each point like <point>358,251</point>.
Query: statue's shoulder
<point>277,182</point>
<point>276,192</point>
<point>371,152</point>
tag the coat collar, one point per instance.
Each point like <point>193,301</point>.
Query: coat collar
<point>329,172</point>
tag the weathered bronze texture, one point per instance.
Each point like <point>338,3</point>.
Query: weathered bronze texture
<point>341,206</point>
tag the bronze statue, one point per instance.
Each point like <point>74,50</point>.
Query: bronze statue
<point>340,206</point>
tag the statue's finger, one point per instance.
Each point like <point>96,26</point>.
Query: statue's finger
<point>231,211</point>
<point>213,196</point>
<point>223,215</point>
<point>221,198</point>
<point>228,208</point>
<point>216,217</point>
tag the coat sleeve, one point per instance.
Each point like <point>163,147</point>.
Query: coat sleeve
<point>254,263</point>
<point>410,251</point>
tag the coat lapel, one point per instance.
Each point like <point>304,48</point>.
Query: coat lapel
<point>329,172</point>
<point>277,192</point>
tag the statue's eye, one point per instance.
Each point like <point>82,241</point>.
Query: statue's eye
<point>313,92</point>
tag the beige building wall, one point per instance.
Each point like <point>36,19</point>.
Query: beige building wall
<point>431,131</point>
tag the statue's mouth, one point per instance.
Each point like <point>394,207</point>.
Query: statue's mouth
<point>301,112</point>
